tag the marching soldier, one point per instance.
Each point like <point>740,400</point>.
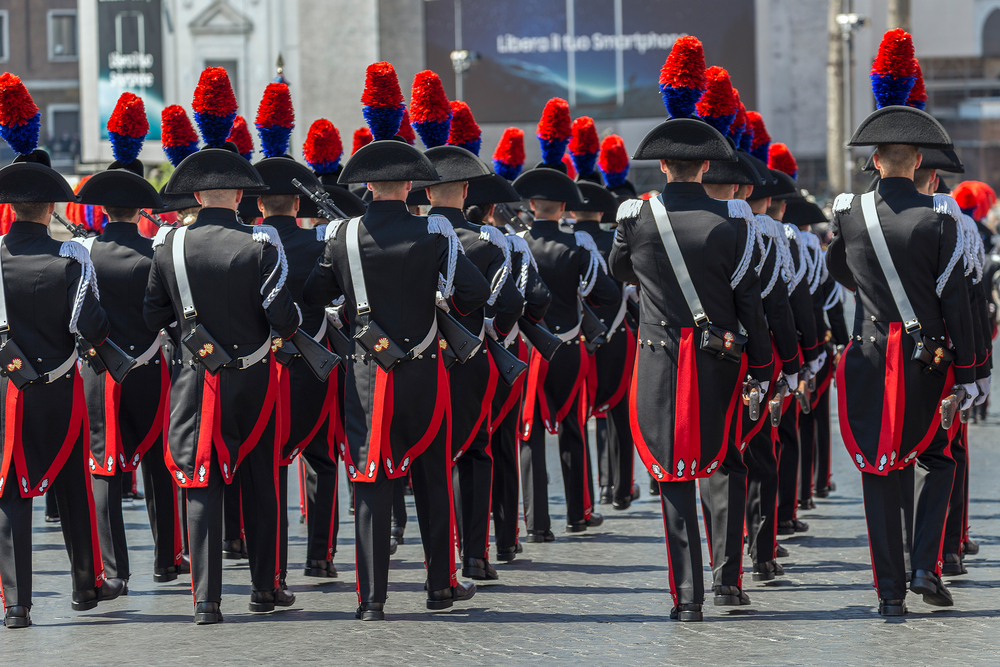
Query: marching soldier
<point>692,261</point>
<point>913,339</point>
<point>126,421</point>
<point>474,383</point>
<point>556,397</point>
<point>388,265</point>
<point>48,296</point>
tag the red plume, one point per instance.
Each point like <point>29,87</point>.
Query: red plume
<point>555,124</point>
<point>323,145</point>
<point>719,99</point>
<point>428,101</point>
<point>918,94</point>
<point>129,117</point>
<point>614,157</point>
<point>570,169</point>
<point>780,158</point>
<point>584,139</point>
<point>464,129</point>
<point>685,66</point>
<point>240,135</point>
<point>176,128</point>
<point>381,86</point>
<point>16,105</point>
<point>214,93</point>
<point>362,137</point>
<point>276,107</point>
<point>895,54</point>
<point>406,130</point>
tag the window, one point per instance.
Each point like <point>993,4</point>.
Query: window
<point>991,35</point>
<point>62,34</point>
<point>4,35</point>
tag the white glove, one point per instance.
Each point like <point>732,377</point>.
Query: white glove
<point>763,387</point>
<point>983,386</point>
<point>336,316</point>
<point>792,379</point>
<point>632,292</point>
<point>441,302</point>
<point>489,328</point>
<point>821,358</point>
<point>816,364</point>
<point>972,392</point>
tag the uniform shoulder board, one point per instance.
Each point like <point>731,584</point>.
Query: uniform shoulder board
<point>946,205</point>
<point>629,209</point>
<point>738,208</point>
<point>331,229</point>
<point>843,202</point>
<point>161,236</point>
<point>321,232</point>
<point>267,234</point>
<point>77,252</point>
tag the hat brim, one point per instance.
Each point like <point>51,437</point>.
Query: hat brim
<point>898,124</point>
<point>740,172</point>
<point>454,165</point>
<point>388,160</point>
<point>493,190</point>
<point>33,182</point>
<point>684,139</point>
<point>214,169</point>
<point>120,188</point>
<point>548,185</point>
<point>278,172</point>
<point>598,199</point>
<point>801,211</point>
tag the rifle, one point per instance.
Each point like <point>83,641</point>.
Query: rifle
<point>950,405</point>
<point>155,219</point>
<point>751,394</point>
<point>323,202</point>
<point>79,231</point>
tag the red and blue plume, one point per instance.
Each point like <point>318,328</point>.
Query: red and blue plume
<point>780,158</point>
<point>508,158</point>
<point>894,70</point>
<point>20,119</point>
<point>430,113</point>
<point>584,145</point>
<point>718,106</point>
<point>746,139</point>
<point>464,132</point>
<point>240,136</point>
<point>214,106</point>
<point>323,148</point>
<point>177,134</point>
<point>382,101</point>
<point>760,144</point>
<point>275,120</point>
<point>554,130</point>
<point>682,78</point>
<point>918,94</point>
<point>406,130</point>
<point>570,169</point>
<point>127,128</point>
<point>613,161</point>
<point>362,137</point>
<point>739,124</point>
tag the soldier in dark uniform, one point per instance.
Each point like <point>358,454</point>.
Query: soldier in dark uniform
<point>610,371</point>
<point>474,383</point>
<point>687,401</point>
<point>482,198</point>
<point>49,295</point>
<point>126,421</point>
<point>556,397</point>
<point>397,419</point>
<point>888,401</point>
<point>223,422</point>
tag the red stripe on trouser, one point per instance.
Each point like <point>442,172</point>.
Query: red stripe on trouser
<point>582,412</point>
<point>484,407</point>
<point>489,504</point>
<point>333,513</point>
<point>303,501</point>
<point>537,369</point>
<point>626,381</point>
<point>666,539</point>
<point>453,541</point>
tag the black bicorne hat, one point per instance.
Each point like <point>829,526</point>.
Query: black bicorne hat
<point>599,199</point>
<point>214,169</point>
<point>454,165</point>
<point>350,204</point>
<point>135,166</point>
<point>741,172</point>
<point>944,159</point>
<point>625,191</point>
<point>684,139</point>
<point>388,160</point>
<point>278,172</point>
<point>493,190</point>
<point>547,184</point>
<point>178,202</point>
<point>33,182</point>
<point>782,187</point>
<point>801,211</point>
<point>901,125</point>
<point>121,188</point>
<point>417,197</point>
<point>942,187</point>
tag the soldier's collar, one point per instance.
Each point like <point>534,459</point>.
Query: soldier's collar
<point>684,188</point>
<point>896,184</point>
<point>28,227</point>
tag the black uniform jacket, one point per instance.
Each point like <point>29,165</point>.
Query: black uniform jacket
<point>889,411</point>
<point>562,263</point>
<point>392,417</point>
<point>684,400</point>
<point>43,422</point>
<point>474,383</point>
<point>231,273</point>
<point>308,410</point>
<point>127,419</point>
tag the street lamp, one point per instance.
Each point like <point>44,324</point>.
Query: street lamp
<point>461,60</point>
<point>849,24</point>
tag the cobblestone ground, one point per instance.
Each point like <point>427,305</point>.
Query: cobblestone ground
<point>598,597</point>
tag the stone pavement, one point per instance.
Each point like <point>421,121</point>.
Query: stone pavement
<point>597,598</point>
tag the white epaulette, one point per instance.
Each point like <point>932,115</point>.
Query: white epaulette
<point>629,209</point>
<point>161,236</point>
<point>77,252</point>
<point>332,228</point>
<point>843,202</point>
<point>267,234</point>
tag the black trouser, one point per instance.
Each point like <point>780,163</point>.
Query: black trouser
<point>399,503</point>
<point>958,504</point>
<point>473,475</point>
<point>615,431</point>
<point>204,520</point>
<point>605,467</point>
<point>574,455</point>
<point>535,477</point>
<point>433,498</point>
<point>51,508</point>
<point>161,506</point>
<point>322,514</point>
<point>232,526</point>
<point>762,494</point>
<point>821,414</point>
<point>282,523</point>
<point>72,491</point>
<point>505,481</point>
<point>723,499</point>
<point>885,509</point>
<point>807,451</point>
<point>263,508</point>
<point>788,463</point>
<point>111,524</point>
<point>680,521</point>
<point>372,510</point>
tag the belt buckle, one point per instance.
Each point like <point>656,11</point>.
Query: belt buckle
<point>911,326</point>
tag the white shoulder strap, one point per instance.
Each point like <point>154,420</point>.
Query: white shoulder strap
<point>677,261</point>
<point>896,289</point>
<point>354,262</point>
<point>180,274</point>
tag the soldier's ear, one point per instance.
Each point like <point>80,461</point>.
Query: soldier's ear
<point>705,165</point>
<point>920,158</point>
